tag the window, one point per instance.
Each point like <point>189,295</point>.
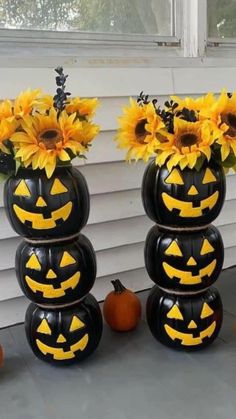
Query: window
<point>110,28</point>
<point>221,18</point>
<point>143,17</point>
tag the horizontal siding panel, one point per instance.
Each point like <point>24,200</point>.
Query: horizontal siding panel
<point>108,177</point>
<point>111,238</point>
<point>101,82</point>
<point>110,262</point>
<point>110,108</point>
<point>118,206</point>
<point>104,207</point>
<point>136,279</point>
<point>122,176</point>
<point>12,310</point>
<point>104,149</point>
<point>114,206</point>
<point>111,177</point>
<point>202,80</point>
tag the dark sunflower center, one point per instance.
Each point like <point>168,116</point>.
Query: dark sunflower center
<point>49,138</point>
<point>230,120</point>
<point>186,140</point>
<point>140,131</point>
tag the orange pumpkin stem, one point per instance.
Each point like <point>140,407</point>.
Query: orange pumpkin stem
<point>118,286</point>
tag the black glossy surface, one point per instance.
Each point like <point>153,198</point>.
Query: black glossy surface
<point>190,245</point>
<point>154,185</point>
<point>40,186</point>
<point>49,257</point>
<point>59,324</point>
<point>159,318</point>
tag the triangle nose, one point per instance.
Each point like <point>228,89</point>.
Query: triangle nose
<point>51,274</point>
<point>192,325</point>
<point>193,190</point>
<point>40,202</point>
<point>61,339</point>
<point>191,262</point>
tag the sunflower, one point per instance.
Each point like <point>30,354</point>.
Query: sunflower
<point>83,107</point>
<point>47,139</point>
<point>6,110</point>
<point>44,103</point>
<point>24,103</point>
<point>198,104</point>
<point>138,130</point>
<point>7,129</point>
<point>223,115</point>
<point>189,141</point>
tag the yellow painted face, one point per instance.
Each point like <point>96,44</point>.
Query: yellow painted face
<point>194,334</point>
<point>54,285</point>
<point>61,346</point>
<point>197,193</point>
<point>194,273</point>
<point>180,261</point>
<point>184,321</point>
<point>56,275</point>
<point>39,220</point>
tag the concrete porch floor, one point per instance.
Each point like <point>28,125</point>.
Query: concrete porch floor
<point>131,376</point>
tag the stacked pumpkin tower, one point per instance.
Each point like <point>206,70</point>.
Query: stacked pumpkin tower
<point>184,253</point>
<point>55,263</point>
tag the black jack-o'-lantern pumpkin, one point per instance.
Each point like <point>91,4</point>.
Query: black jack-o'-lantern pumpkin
<point>181,261</point>
<point>183,198</point>
<point>56,275</point>
<point>64,336</point>
<point>38,207</point>
<point>185,322</point>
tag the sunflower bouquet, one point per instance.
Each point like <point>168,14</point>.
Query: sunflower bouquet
<point>41,131</point>
<point>184,133</point>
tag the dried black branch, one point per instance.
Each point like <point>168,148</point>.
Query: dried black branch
<point>142,99</point>
<point>61,98</point>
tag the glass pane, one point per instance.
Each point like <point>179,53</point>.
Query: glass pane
<point>112,16</point>
<point>221,18</point>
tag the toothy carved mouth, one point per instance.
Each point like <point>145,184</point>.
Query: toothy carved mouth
<point>49,291</point>
<point>187,339</point>
<point>186,208</point>
<point>186,277</point>
<point>38,221</point>
<point>58,353</point>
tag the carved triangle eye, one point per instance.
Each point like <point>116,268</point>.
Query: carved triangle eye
<point>58,188</point>
<point>174,177</point>
<point>67,260</point>
<point>206,248</point>
<point>209,177</point>
<point>22,189</point>
<point>44,328</point>
<point>206,311</point>
<point>76,324</point>
<point>175,313</point>
<point>33,263</point>
<point>173,250</point>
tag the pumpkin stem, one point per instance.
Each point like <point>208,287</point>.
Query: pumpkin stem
<point>118,286</point>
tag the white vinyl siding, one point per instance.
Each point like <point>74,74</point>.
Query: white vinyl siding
<point>117,224</point>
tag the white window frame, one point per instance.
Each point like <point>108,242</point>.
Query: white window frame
<point>189,45</point>
<point>32,37</point>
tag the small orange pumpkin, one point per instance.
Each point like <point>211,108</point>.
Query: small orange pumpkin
<point>122,308</point>
<point>1,356</point>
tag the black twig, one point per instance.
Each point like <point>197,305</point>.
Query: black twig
<point>60,99</point>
